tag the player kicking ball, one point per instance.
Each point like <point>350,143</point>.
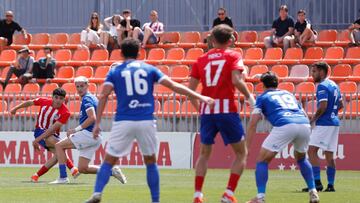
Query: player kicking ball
<point>220,71</point>
<point>52,115</point>
<point>133,83</point>
<point>325,134</point>
<point>81,137</point>
<point>290,125</point>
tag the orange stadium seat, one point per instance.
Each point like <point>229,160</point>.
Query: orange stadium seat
<point>352,108</point>
<point>13,88</point>
<point>80,57</point>
<point>169,39</point>
<point>311,107</point>
<point>39,54</point>
<point>101,71</point>
<point>259,88</point>
<point>74,41</point>
<point>352,55</point>
<point>189,39</point>
<point>116,55</point>
<point>86,71</point>
<point>66,72</point>
<point>203,38</point>
<point>74,106</point>
<point>247,38</point>
<point>341,71</point>
<point>157,106</point>
<point>174,56</point>
<point>288,86</point>
<point>142,54</point>
<point>293,56</point>
<point>7,57</point>
<point>69,88</point>
<point>343,38</point>
<point>299,71</point>
<point>19,41</point>
<point>31,88</point>
<point>48,88</point>
<point>272,56</point>
<point>39,40</point>
<point>93,88</point>
<point>348,87</point>
<point>58,40</point>
<point>257,70</point>
<point>187,109</point>
<point>3,107</point>
<point>326,37</point>
<point>164,69</point>
<point>192,55</point>
<point>62,56</point>
<point>312,55</point>
<point>281,71</point>
<point>240,50</point>
<point>98,57</point>
<point>180,72</point>
<point>305,88</point>
<point>261,37</point>
<point>334,55</point>
<point>171,107</point>
<point>253,55</point>
<point>160,89</point>
<point>155,55</point>
<point>356,71</point>
<point>5,71</point>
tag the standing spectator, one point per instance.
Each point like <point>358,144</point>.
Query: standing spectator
<point>151,31</point>
<point>282,30</point>
<point>7,29</point>
<point>303,30</point>
<point>91,34</point>
<point>45,67</point>
<point>222,18</point>
<point>22,67</point>
<point>111,37</point>
<point>354,33</point>
<point>127,25</point>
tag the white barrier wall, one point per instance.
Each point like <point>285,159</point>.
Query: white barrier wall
<point>175,151</point>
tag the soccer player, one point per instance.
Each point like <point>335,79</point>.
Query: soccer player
<point>133,83</point>
<point>220,71</point>
<point>52,115</point>
<point>81,137</point>
<point>326,131</point>
<point>290,125</point>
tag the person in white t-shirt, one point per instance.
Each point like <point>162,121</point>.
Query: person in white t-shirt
<point>111,37</point>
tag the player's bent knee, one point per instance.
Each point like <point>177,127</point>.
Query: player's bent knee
<point>150,159</point>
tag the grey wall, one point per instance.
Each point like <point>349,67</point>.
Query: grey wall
<point>178,15</point>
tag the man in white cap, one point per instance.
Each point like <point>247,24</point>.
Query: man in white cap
<point>81,137</point>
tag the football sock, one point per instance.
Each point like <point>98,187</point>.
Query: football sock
<point>42,170</point>
<point>69,164</point>
<point>261,174</point>
<point>153,180</point>
<point>316,172</point>
<point>199,181</point>
<point>102,177</point>
<point>233,181</point>
<point>330,172</point>
<point>306,172</point>
<point>62,169</point>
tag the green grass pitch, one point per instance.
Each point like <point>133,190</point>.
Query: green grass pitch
<point>176,187</point>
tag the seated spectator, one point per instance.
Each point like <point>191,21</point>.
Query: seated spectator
<point>151,31</point>
<point>354,33</point>
<point>110,37</point>
<point>127,25</point>
<point>303,30</point>
<point>45,67</point>
<point>7,28</point>
<point>282,30</point>
<point>91,34</point>
<point>22,67</point>
<point>221,19</point>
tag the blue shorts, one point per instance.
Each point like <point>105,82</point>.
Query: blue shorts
<point>229,125</point>
<point>152,39</point>
<point>37,133</point>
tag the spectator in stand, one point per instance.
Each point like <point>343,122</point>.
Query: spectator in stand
<point>22,68</point>
<point>127,25</point>
<point>7,28</point>
<point>354,33</point>
<point>91,34</point>
<point>111,37</point>
<point>45,67</point>
<point>151,31</point>
<point>282,30</point>
<point>221,19</point>
<point>303,30</point>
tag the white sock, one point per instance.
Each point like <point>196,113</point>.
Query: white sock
<point>313,190</point>
<point>260,195</point>
<point>229,192</point>
<point>198,194</point>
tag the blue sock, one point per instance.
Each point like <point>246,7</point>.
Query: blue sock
<point>316,172</point>
<point>102,177</point>
<point>62,169</point>
<point>261,174</point>
<point>307,173</point>
<point>153,180</point>
<point>330,172</point>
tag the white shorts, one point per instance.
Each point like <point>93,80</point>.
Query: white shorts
<point>85,143</point>
<point>325,137</point>
<point>280,137</point>
<point>123,133</point>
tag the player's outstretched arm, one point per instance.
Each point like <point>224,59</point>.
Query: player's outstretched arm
<point>50,131</point>
<point>106,91</point>
<point>251,129</point>
<point>91,118</point>
<point>22,105</point>
<point>193,83</point>
<point>320,111</point>
<point>239,83</point>
<point>181,89</point>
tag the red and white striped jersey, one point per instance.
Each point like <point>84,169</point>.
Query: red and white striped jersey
<point>48,115</point>
<point>214,70</point>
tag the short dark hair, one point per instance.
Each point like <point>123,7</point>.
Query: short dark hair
<point>269,79</point>
<point>222,33</point>
<point>222,9</point>
<point>284,7</point>
<point>126,11</point>
<point>48,48</point>
<point>322,65</point>
<point>301,11</point>
<point>130,48</point>
<point>59,92</point>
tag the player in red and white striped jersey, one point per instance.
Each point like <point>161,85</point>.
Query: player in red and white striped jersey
<point>52,115</point>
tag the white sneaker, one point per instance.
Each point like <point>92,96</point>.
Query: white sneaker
<point>314,196</point>
<point>61,181</point>
<point>118,174</point>
<point>95,198</point>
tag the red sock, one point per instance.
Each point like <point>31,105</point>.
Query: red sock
<point>199,181</point>
<point>42,170</point>
<point>69,164</point>
<point>233,181</point>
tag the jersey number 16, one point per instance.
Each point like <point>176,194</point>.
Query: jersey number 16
<point>140,84</point>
